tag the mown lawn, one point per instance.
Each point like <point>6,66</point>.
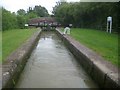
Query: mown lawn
<point>105,44</point>
<point>12,39</point>
<point>0,45</point>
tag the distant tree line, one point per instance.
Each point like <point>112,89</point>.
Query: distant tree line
<point>17,20</point>
<point>87,14</point>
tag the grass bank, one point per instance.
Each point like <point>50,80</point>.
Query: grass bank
<point>105,44</point>
<point>12,39</point>
<point>0,45</point>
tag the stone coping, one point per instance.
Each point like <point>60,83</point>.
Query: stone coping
<point>105,74</point>
<point>15,62</point>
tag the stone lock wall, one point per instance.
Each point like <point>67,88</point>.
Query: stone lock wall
<point>14,64</point>
<point>105,74</point>
<point>102,72</point>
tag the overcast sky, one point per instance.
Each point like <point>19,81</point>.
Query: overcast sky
<point>15,5</point>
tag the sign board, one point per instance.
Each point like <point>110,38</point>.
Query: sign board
<point>70,25</point>
<point>26,25</point>
<point>109,19</point>
<point>109,24</point>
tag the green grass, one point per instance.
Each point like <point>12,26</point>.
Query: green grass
<point>12,39</point>
<point>105,44</point>
<point>0,45</point>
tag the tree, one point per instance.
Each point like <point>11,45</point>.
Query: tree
<point>0,18</point>
<point>9,20</point>
<point>13,20</point>
<point>40,11</point>
<point>21,21</point>
<point>21,12</point>
<point>86,14</point>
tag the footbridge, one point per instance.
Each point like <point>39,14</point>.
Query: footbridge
<point>46,23</point>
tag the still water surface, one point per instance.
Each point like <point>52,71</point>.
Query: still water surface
<point>51,65</point>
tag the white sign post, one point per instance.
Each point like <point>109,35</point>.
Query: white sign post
<point>70,25</point>
<point>109,24</point>
<point>26,25</point>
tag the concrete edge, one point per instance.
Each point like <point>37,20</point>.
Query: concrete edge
<point>105,74</point>
<point>15,62</point>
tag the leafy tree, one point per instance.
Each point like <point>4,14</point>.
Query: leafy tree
<point>0,18</point>
<point>21,12</point>
<point>13,20</point>
<point>20,21</point>
<point>87,14</point>
<point>40,11</point>
<point>31,15</point>
<point>9,20</point>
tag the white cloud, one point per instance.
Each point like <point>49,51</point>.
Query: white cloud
<point>14,5</point>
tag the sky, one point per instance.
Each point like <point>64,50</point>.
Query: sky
<point>15,5</point>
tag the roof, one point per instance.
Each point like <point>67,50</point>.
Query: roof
<point>42,19</point>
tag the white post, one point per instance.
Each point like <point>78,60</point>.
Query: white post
<point>109,24</point>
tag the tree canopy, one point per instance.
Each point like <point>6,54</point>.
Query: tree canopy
<point>80,14</point>
<point>87,14</point>
<point>18,20</point>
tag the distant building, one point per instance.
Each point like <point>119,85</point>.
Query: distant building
<point>43,22</point>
